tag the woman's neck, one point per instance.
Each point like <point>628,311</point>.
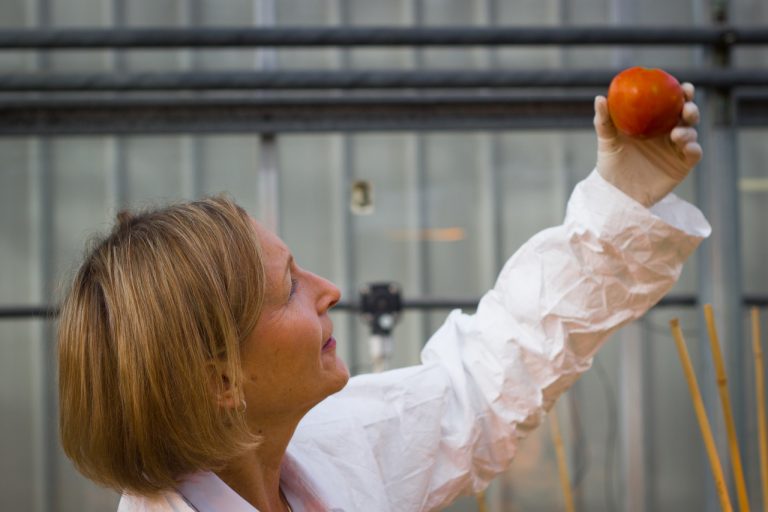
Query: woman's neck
<point>255,475</point>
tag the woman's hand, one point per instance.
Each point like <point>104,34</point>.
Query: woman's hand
<point>647,169</point>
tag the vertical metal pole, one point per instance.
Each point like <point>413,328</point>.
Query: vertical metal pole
<point>268,177</point>
<point>192,154</point>
<point>265,12</point>
<point>633,404</point>
<point>191,145</point>
<point>563,184</point>
<point>699,14</point>
<point>574,396</point>
<point>342,16</point>
<point>116,166</point>
<point>492,172</point>
<point>701,57</point>
<point>492,217</point>
<point>268,182</point>
<point>42,403</point>
<point>632,359</point>
<point>719,258</point>
<point>350,251</point>
<point>422,209</point>
<point>42,361</point>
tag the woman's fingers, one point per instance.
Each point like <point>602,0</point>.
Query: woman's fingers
<point>685,139</point>
<point>692,153</point>
<point>688,90</point>
<point>690,114</point>
<point>682,135</point>
<point>602,121</point>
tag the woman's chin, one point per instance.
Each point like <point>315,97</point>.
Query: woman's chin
<point>340,376</point>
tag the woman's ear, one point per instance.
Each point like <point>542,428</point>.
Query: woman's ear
<point>222,387</point>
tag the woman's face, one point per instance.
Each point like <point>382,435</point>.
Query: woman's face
<point>289,361</point>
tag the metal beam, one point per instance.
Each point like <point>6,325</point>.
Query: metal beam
<point>425,304</point>
<point>355,79</point>
<point>280,114</point>
<point>169,37</point>
<point>22,115</point>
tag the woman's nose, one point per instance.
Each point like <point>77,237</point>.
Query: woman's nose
<point>329,294</point>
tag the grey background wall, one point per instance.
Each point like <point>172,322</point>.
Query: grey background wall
<point>55,192</point>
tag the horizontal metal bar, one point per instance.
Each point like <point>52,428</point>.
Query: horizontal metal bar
<point>171,37</point>
<point>362,79</point>
<point>88,115</point>
<point>20,312</point>
<point>399,112</point>
<point>683,301</point>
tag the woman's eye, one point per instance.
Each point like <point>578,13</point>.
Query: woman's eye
<point>294,285</point>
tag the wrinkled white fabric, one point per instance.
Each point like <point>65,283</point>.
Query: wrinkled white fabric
<point>416,438</point>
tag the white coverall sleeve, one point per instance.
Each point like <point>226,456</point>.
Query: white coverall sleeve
<point>448,426</point>
<point>553,305</point>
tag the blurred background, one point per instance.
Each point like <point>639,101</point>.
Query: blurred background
<point>429,187</point>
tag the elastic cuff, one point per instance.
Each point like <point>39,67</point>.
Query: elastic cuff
<point>679,214</point>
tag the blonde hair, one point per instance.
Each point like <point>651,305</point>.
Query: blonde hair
<point>156,307</point>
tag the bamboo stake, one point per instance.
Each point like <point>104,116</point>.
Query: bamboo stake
<point>701,415</point>
<point>480,498</point>
<point>725,400</point>
<point>760,395</point>
<point>562,464</point>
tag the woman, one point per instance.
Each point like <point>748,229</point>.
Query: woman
<point>198,367</point>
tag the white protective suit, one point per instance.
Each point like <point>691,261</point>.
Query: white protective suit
<point>416,438</point>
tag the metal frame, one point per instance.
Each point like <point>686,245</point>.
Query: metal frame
<point>354,79</point>
<point>58,39</point>
<point>157,114</point>
<point>428,304</point>
<point>470,109</point>
<point>430,108</point>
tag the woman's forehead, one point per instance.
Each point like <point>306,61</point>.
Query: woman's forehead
<point>274,250</point>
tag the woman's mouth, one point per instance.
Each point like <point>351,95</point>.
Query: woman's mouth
<point>329,344</point>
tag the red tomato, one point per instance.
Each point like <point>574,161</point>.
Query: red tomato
<point>645,102</point>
